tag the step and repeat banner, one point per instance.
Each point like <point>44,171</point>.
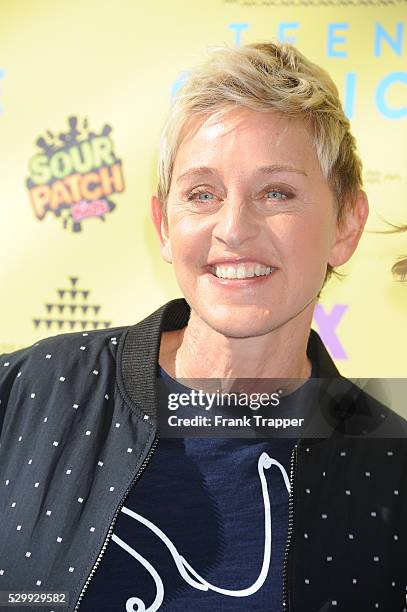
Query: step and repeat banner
<point>85,86</point>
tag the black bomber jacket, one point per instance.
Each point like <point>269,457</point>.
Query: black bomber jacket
<point>78,427</point>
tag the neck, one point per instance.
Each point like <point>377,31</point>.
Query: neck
<point>280,353</point>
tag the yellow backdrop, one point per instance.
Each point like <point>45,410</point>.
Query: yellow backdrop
<point>85,88</point>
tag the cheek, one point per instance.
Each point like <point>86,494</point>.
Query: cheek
<point>309,245</point>
<point>189,243</point>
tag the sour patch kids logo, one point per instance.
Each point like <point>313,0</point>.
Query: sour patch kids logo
<point>74,174</point>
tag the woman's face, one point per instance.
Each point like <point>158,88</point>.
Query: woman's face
<point>248,201</point>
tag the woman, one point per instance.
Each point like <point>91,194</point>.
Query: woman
<point>259,199</point>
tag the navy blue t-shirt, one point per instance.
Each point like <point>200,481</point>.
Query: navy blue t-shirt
<point>193,533</point>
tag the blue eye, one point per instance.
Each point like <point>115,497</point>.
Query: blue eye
<point>201,196</point>
<point>205,196</point>
<point>279,193</point>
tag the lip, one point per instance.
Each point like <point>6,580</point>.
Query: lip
<point>236,260</point>
<point>239,283</point>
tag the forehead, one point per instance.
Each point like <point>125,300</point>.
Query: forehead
<point>243,138</point>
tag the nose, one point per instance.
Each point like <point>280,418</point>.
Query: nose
<point>235,223</point>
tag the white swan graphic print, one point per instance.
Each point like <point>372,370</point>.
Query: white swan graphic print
<point>191,577</point>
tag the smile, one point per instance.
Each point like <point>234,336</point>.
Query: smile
<point>241,271</point>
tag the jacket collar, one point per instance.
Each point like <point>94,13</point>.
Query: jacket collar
<point>139,357</point>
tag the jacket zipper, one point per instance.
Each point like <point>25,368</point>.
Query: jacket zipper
<point>109,533</point>
<point>290,526</point>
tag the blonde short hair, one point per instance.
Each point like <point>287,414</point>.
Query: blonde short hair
<point>263,77</point>
<point>399,269</point>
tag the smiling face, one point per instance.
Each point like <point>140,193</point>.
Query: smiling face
<point>248,201</point>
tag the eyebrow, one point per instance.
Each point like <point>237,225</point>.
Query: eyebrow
<point>262,170</point>
<point>280,168</point>
<point>195,171</point>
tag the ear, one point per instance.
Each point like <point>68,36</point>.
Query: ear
<point>349,231</point>
<point>161,226</point>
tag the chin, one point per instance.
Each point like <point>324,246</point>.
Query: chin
<point>240,322</point>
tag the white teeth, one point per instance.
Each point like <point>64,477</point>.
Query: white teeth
<point>230,272</point>
<point>240,271</point>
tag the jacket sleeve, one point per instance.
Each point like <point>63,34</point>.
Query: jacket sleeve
<point>50,371</point>
<point>19,371</point>
<point>9,368</point>
<point>4,391</point>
